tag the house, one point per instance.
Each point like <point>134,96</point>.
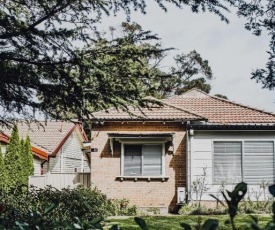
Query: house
<point>152,157</point>
<point>57,146</point>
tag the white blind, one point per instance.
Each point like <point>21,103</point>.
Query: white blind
<point>227,161</point>
<point>152,160</point>
<point>132,160</point>
<point>258,161</point>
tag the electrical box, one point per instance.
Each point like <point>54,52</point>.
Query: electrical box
<point>181,195</point>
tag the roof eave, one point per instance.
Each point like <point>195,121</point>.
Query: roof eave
<point>232,127</point>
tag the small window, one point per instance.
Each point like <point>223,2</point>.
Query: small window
<point>143,160</point>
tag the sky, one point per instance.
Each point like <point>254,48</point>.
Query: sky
<point>232,51</point>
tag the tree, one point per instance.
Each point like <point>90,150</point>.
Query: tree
<point>180,77</point>
<point>221,96</point>
<point>50,49</point>
<point>260,16</point>
<point>2,175</point>
<point>27,160</point>
<point>13,161</point>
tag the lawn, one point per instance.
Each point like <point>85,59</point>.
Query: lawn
<point>173,221</point>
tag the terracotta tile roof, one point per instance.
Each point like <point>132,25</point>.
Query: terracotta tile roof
<point>219,110</point>
<point>154,113</point>
<point>46,137</point>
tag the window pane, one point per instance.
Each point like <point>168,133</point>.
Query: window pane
<point>258,161</point>
<point>152,160</point>
<point>227,161</point>
<point>132,160</point>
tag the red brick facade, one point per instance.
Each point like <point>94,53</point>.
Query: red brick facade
<point>105,167</point>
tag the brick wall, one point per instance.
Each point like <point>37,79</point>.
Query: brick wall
<point>105,168</point>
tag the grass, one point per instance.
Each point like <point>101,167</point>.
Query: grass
<point>173,221</point>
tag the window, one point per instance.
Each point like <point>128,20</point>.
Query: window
<point>227,161</point>
<point>248,161</point>
<point>143,160</point>
<point>258,161</point>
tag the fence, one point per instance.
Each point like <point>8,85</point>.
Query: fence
<point>60,181</point>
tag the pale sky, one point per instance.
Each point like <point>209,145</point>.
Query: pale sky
<point>232,51</point>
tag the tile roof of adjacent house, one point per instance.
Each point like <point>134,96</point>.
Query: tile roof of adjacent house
<point>192,105</point>
<point>154,113</point>
<point>218,110</point>
<point>47,137</point>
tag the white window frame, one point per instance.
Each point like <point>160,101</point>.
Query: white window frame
<point>242,155</point>
<point>143,143</point>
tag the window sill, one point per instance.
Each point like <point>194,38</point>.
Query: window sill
<point>148,178</point>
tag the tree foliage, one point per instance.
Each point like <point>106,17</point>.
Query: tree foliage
<point>50,49</point>
<point>27,160</point>
<point>182,76</point>
<point>17,163</point>
<point>260,17</point>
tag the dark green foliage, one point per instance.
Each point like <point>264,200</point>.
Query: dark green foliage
<point>83,203</point>
<point>180,77</point>
<point>260,17</point>
<point>221,96</point>
<point>141,223</point>
<point>199,83</point>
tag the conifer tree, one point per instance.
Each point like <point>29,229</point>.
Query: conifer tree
<point>27,160</point>
<point>13,161</point>
<point>2,177</point>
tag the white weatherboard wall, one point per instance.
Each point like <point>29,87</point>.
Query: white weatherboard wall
<point>69,158</point>
<point>202,156</point>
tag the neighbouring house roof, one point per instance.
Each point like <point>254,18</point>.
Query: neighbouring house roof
<point>192,105</point>
<point>47,138</point>
<point>156,112</point>
<point>218,110</point>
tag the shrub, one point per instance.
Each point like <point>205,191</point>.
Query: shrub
<point>84,203</point>
<point>120,207</point>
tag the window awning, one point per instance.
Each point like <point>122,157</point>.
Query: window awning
<point>139,137</point>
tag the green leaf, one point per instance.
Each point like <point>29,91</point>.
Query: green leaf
<point>254,226</point>
<point>271,189</point>
<point>22,225</point>
<point>141,223</point>
<point>227,222</point>
<point>185,226</point>
<point>270,226</point>
<point>238,193</point>
<point>96,220</point>
<point>255,219</point>
<point>210,225</point>
<point>50,208</point>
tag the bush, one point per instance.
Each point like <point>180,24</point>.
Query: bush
<point>120,207</point>
<point>84,203</point>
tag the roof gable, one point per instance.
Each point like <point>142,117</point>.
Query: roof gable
<point>48,137</point>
